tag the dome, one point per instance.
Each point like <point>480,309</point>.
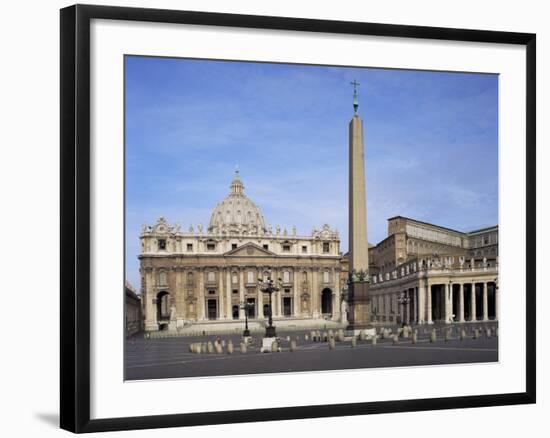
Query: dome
<point>236,212</point>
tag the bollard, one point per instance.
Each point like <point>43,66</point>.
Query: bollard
<point>306,338</point>
<point>288,338</point>
<point>496,332</point>
<point>395,340</point>
<point>274,347</point>
<point>488,332</point>
<point>447,335</point>
<point>230,347</point>
<point>243,347</point>
<point>292,346</point>
<point>219,348</point>
<point>361,335</point>
<point>433,336</point>
<point>374,340</point>
<point>462,334</point>
<point>198,348</point>
<point>414,338</point>
<point>223,343</point>
<point>353,342</point>
<point>191,348</point>
<point>476,334</point>
<point>385,333</point>
<point>210,347</point>
<point>331,344</point>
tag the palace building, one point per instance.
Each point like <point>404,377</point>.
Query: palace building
<point>423,273</point>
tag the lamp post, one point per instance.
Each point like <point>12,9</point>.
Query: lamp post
<point>246,306</point>
<point>269,287</point>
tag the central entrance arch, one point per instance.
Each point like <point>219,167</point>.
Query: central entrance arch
<point>326,301</point>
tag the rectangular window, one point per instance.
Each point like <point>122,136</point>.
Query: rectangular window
<point>235,291</point>
<point>286,277</point>
<point>287,291</point>
<point>233,246</point>
<point>304,249</point>
<point>286,248</point>
<point>266,246</point>
<point>211,292</point>
<point>250,277</point>
<point>162,244</point>
<point>189,247</point>
<point>210,246</point>
<point>326,247</point>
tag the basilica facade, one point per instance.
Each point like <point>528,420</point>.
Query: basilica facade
<point>208,277</point>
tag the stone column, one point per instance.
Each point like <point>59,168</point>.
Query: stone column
<point>295,294</point>
<point>201,302</point>
<point>336,296</point>
<point>315,293</point>
<point>260,300</point>
<point>421,303</point>
<point>448,302</point>
<point>221,294</point>
<point>241,293</point>
<point>429,302</point>
<point>415,305</point>
<point>473,303</point>
<point>497,313</point>
<point>150,300</point>
<point>485,302</point>
<point>276,297</point>
<point>228,292</point>
<point>461,303</point>
<point>180,293</point>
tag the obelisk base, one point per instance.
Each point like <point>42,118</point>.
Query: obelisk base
<point>359,316</point>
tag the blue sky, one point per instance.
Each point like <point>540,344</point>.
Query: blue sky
<point>431,144</point>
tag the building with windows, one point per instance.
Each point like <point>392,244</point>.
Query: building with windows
<point>200,278</point>
<point>204,276</point>
<point>423,273</point>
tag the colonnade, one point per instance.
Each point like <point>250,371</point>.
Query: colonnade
<point>429,301</point>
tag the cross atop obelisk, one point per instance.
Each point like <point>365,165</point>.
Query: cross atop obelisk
<point>355,100</point>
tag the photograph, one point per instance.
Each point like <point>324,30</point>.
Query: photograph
<point>285,218</point>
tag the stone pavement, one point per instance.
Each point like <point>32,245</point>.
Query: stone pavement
<point>170,357</point>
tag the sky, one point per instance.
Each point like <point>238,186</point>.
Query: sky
<point>431,144</point>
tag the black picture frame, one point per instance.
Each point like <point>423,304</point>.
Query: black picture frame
<point>75,217</point>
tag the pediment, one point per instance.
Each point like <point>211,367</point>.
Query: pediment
<point>249,250</point>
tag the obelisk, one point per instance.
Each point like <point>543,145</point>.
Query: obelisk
<point>358,279</point>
